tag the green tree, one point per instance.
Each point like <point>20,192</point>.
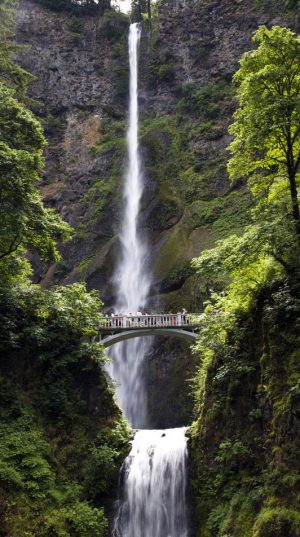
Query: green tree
<point>11,74</point>
<point>138,7</point>
<point>266,131</point>
<point>265,150</point>
<point>25,222</point>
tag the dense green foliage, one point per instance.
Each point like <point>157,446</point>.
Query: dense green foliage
<point>62,438</point>
<point>266,145</point>
<point>269,245</point>
<point>247,482</point>
<point>25,222</point>
<point>246,474</point>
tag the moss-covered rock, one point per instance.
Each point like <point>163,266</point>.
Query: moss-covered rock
<point>277,523</point>
<point>245,442</point>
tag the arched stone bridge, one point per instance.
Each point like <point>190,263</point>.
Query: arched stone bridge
<point>117,328</point>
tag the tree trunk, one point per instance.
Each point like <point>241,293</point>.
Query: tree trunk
<point>136,11</point>
<point>292,170</point>
<point>295,202</point>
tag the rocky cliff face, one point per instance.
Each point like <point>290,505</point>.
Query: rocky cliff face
<point>74,60</point>
<point>193,55</point>
<point>187,103</point>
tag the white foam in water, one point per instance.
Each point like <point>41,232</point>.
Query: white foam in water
<point>154,491</point>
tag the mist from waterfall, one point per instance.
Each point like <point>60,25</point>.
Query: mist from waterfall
<point>132,279</point>
<point>154,493</point>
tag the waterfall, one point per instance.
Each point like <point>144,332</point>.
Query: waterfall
<point>154,502</point>
<point>132,280</point>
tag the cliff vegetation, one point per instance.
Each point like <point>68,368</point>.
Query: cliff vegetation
<point>62,437</point>
<point>245,441</point>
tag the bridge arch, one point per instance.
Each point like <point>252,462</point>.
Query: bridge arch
<point>110,340</point>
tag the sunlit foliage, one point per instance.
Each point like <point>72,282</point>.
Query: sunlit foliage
<point>266,131</point>
<point>247,386</point>
<point>265,150</point>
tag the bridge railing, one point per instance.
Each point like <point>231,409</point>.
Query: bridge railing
<point>149,321</point>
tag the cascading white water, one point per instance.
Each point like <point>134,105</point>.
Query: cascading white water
<point>153,500</point>
<point>132,280</point>
<point>154,492</point>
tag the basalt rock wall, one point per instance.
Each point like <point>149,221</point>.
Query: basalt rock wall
<point>74,60</point>
<point>186,99</point>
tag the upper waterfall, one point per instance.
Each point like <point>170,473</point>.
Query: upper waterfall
<point>132,279</point>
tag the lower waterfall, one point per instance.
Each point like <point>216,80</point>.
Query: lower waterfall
<point>153,502</point>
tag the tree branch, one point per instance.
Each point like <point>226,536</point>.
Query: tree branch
<point>14,245</point>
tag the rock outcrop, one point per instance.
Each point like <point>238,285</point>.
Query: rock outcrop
<point>187,103</point>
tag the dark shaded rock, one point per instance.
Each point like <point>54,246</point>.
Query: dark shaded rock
<point>168,370</point>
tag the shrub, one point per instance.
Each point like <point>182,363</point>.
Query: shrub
<point>277,523</point>
<point>86,521</point>
<point>204,100</point>
<point>114,25</point>
<point>160,65</point>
